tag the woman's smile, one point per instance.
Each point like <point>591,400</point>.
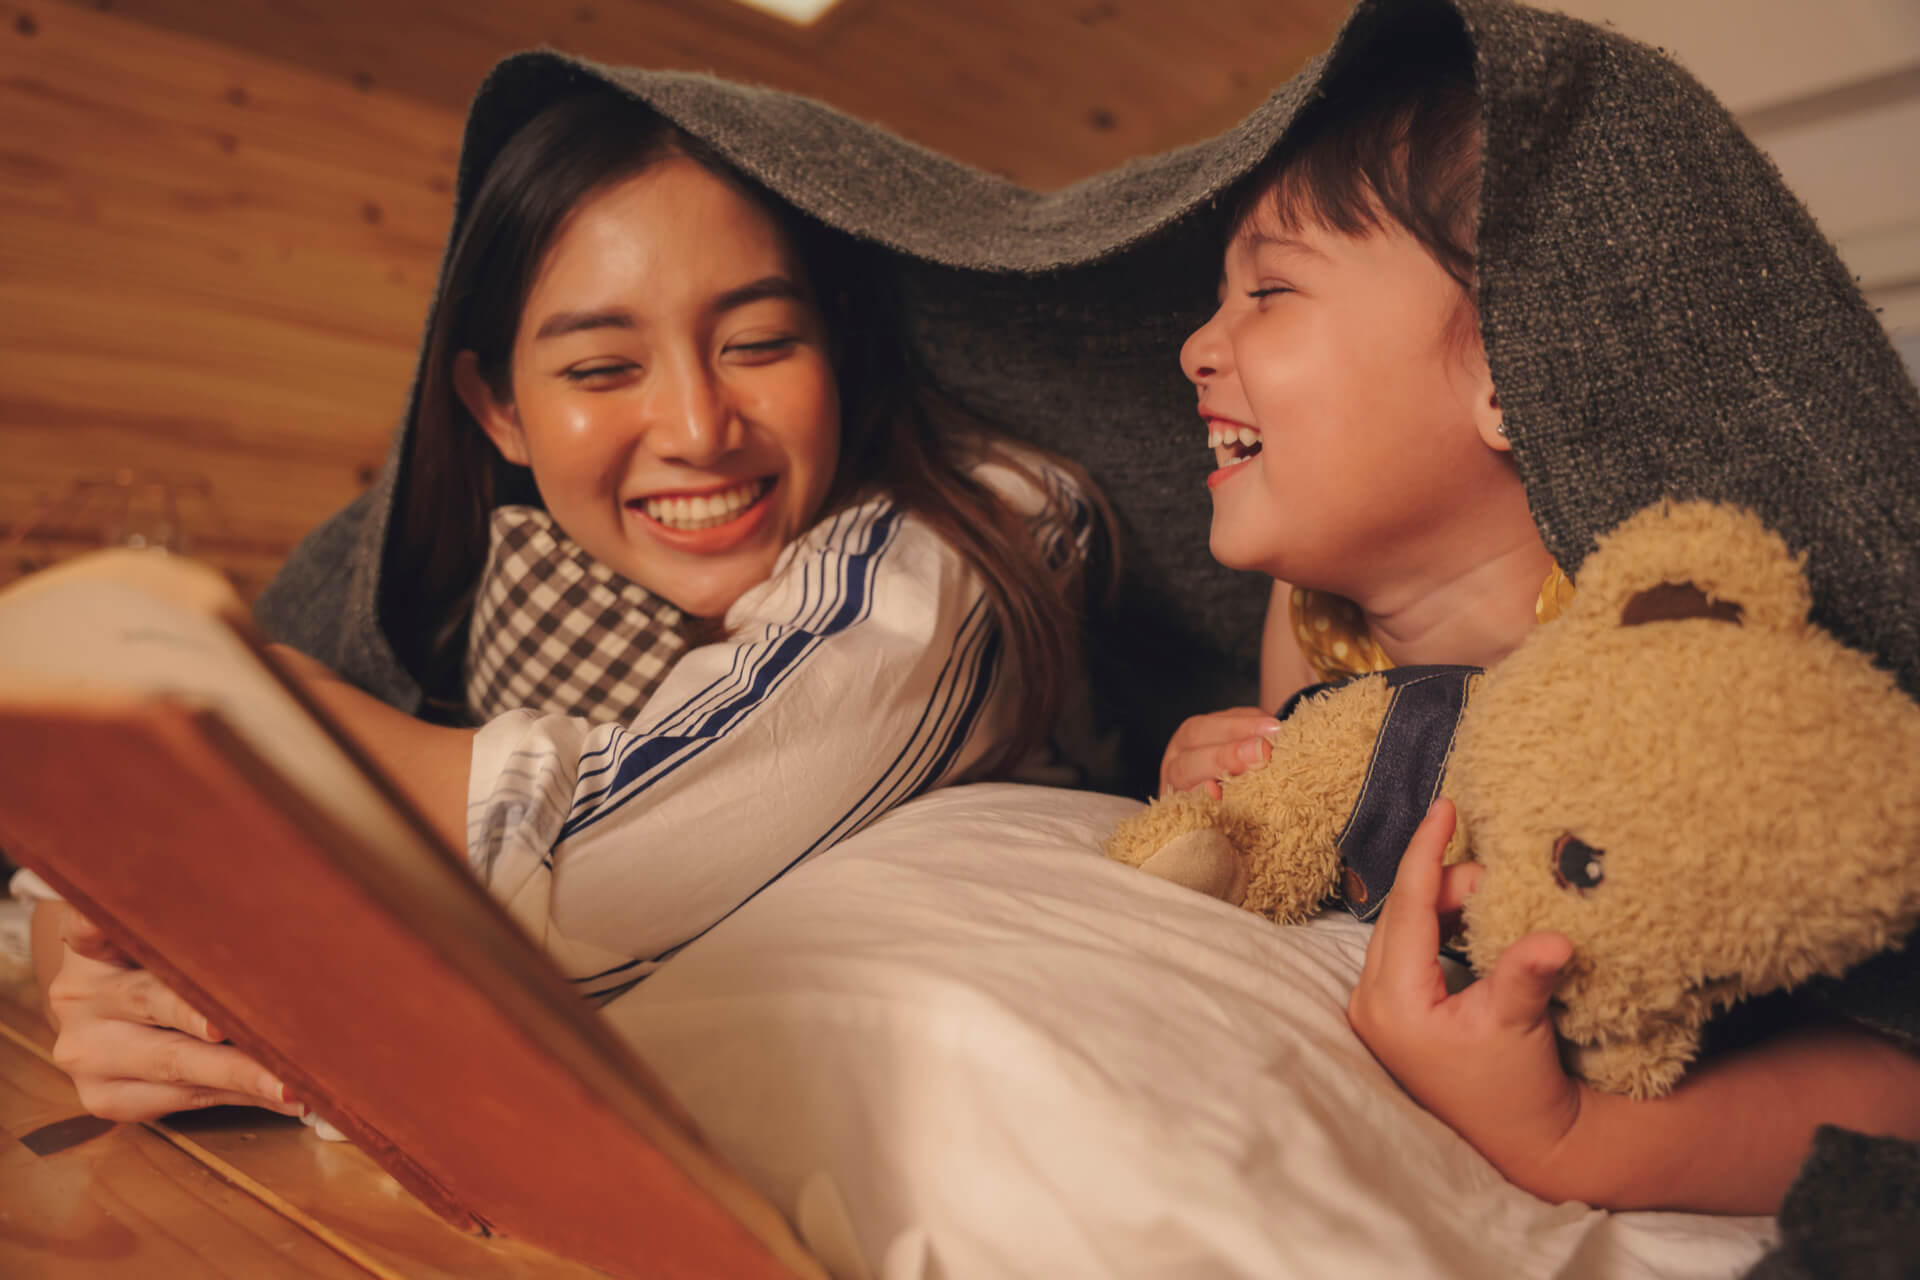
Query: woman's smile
<point>673,387</point>
<point>706,523</point>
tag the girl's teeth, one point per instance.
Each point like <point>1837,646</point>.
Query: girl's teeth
<point>1229,437</point>
<point>707,509</point>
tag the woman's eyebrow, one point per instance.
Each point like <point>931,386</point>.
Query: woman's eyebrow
<point>757,291</point>
<point>561,323</point>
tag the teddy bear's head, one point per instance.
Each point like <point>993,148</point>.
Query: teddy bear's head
<point>1709,795</point>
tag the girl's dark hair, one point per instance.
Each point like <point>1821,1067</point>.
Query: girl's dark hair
<point>898,434</point>
<point>1395,135</point>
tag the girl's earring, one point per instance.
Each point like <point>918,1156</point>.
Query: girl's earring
<point>1501,431</point>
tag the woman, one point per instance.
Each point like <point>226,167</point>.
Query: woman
<point>703,397</point>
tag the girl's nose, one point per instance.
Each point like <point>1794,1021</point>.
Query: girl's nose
<point>1203,354</point>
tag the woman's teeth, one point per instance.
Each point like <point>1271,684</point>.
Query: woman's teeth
<point>705,510</point>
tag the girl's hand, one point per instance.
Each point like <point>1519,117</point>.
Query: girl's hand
<point>1219,744</point>
<point>1485,1060</point>
<point>134,1049</point>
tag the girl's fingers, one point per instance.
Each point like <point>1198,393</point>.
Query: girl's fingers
<point>1523,979</point>
<point>1217,727</point>
<point>1196,766</point>
<point>1216,745</point>
<point>1203,766</point>
<point>1457,883</point>
<point>1411,918</point>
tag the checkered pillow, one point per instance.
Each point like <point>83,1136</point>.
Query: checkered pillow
<point>555,630</point>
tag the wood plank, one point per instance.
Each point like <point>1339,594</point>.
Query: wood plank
<point>212,267</point>
<point>126,1203</point>
<point>328,1184</point>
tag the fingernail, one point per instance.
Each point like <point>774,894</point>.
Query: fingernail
<point>1253,751</point>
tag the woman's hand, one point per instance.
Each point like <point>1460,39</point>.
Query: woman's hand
<point>134,1049</point>
<point>1218,745</point>
<point>1484,1060</point>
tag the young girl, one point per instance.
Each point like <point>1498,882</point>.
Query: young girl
<point>709,396</point>
<point>1398,487</point>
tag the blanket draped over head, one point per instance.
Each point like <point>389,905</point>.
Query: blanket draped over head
<point>1661,316</point>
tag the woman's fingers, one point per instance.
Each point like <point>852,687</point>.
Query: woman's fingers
<point>159,1005</point>
<point>96,990</point>
<point>137,1100</point>
<point>83,937</point>
<point>124,1071</point>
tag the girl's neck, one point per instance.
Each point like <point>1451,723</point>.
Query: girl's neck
<point>1474,615</point>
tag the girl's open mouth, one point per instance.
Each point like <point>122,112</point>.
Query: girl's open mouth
<point>1231,443</point>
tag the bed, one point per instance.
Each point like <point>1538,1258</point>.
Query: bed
<point>963,1043</point>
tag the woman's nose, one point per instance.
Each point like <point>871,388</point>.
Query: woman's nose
<point>694,420</point>
<point>1203,354</point>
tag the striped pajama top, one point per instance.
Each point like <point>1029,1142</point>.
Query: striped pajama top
<point>866,670</point>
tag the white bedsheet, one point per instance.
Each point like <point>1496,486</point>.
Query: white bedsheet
<point>963,1044</point>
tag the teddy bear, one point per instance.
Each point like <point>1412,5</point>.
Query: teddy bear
<point>1708,794</point>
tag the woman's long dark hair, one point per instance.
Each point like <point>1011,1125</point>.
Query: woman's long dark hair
<point>898,434</point>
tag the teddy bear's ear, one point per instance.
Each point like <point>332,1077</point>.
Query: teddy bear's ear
<point>1677,560</point>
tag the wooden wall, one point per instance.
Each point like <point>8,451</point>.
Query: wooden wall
<point>213,270</point>
<point>220,219</point>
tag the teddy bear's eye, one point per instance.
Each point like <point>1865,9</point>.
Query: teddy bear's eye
<point>1577,864</point>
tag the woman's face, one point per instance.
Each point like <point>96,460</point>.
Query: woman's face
<point>672,387</point>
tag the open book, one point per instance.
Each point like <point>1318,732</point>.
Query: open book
<point>160,772</point>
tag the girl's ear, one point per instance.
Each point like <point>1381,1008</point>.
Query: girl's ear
<point>501,421</point>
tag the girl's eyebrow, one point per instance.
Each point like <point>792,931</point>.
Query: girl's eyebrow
<point>1264,239</point>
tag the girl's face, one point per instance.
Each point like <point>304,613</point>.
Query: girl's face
<point>1370,423</point>
<point>673,391</point>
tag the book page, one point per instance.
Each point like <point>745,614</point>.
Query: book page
<point>99,636</point>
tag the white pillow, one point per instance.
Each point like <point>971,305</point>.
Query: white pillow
<point>964,1044</point>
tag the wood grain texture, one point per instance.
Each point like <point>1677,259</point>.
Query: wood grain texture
<point>211,267</point>
<point>1045,91</point>
<point>308,1183</point>
<point>125,1203</point>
